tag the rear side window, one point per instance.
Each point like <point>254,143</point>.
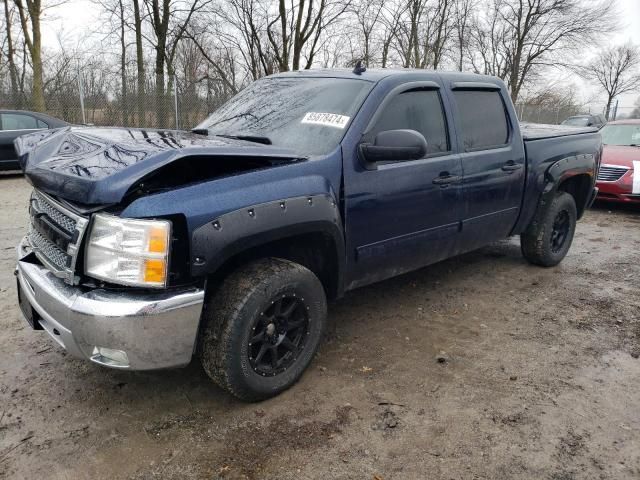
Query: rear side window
<point>17,121</point>
<point>419,110</point>
<point>483,119</point>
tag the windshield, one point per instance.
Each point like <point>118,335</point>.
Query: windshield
<point>621,135</point>
<point>577,121</point>
<point>307,115</point>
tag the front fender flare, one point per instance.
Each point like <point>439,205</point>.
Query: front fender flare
<point>215,242</point>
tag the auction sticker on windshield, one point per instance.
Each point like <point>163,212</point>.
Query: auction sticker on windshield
<point>326,119</point>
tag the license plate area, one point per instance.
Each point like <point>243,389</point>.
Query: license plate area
<point>31,316</point>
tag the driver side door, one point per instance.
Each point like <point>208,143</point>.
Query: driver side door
<point>401,215</point>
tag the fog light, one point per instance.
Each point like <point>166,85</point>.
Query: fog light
<point>110,357</point>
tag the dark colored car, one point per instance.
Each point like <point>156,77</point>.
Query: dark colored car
<point>596,121</point>
<point>14,123</point>
<point>619,174</point>
<point>147,248</point>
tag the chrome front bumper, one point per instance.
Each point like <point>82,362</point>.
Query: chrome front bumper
<point>152,330</point>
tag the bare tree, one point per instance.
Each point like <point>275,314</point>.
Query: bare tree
<point>462,24</point>
<point>518,37</point>
<point>30,12</point>
<point>169,20</point>
<point>11,54</point>
<point>368,15</point>
<point>140,78</point>
<point>392,15</point>
<point>298,27</point>
<point>116,28</point>
<point>249,21</point>
<point>616,70</point>
<point>424,32</point>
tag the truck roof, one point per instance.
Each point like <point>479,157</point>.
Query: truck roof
<point>377,74</point>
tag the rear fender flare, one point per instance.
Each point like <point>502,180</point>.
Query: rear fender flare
<point>564,169</point>
<point>570,167</point>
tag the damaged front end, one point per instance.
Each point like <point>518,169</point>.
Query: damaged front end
<point>106,287</point>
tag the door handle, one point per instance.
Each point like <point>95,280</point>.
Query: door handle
<point>445,180</point>
<point>511,167</point>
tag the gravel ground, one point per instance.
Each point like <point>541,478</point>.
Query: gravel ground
<point>480,367</point>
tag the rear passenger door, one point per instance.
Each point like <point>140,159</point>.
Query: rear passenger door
<point>493,164</point>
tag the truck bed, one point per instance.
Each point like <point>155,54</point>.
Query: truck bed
<point>544,145</point>
<point>538,131</point>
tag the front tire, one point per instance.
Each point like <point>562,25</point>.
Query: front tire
<point>548,238</point>
<point>262,328</point>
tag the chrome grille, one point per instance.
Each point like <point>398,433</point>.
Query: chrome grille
<point>55,255</point>
<point>611,173</point>
<point>40,202</point>
<point>60,261</point>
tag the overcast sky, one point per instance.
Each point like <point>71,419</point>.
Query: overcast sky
<point>76,16</point>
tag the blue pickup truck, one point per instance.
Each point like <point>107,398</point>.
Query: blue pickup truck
<point>147,248</point>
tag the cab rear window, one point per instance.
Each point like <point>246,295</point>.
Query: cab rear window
<point>483,119</point>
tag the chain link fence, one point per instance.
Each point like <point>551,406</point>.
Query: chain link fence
<point>103,99</point>
<point>545,113</point>
<point>156,102</point>
<point>549,114</point>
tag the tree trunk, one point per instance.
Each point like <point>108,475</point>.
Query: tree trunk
<point>139,64</point>
<point>160,100</point>
<point>170,95</point>
<point>284,59</point>
<point>123,69</point>
<point>37,96</point>
<point>33,40</point>
<point>608,109</point>
<point>13,70</point>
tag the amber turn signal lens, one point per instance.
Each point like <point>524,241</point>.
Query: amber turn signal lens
<point>154,270</point>
<point>158,240</point>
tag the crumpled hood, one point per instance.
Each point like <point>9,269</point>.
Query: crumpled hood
<point>91,165</point>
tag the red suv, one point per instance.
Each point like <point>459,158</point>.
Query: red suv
<point>619,175</point>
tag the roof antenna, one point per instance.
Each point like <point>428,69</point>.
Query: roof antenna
<point>359,69</point>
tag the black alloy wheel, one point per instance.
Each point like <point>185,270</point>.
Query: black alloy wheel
<point>279,335</point>
<point>560,230</point>
<point>548,237</point>
<point>262,327</point>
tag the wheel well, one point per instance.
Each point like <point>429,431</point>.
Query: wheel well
<point>315,251</point>
<point>579,187</point>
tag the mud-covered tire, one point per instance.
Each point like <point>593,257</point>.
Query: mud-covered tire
<point>548,237</point>
<point>239,311</point>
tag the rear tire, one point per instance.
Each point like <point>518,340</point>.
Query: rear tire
<point>548,237</point>
<point>262,328</point>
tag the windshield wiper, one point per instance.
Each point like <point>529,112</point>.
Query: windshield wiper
<point>248,138</point>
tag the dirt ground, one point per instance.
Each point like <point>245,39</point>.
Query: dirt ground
<point>480,367</point>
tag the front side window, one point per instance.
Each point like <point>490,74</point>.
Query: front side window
<point>628,135</point>
<point>419,110</point>
<point>483,119</point>
<point>18,121</point>
<point>305,114</point>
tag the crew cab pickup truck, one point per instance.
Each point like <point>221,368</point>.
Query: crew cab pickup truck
<point>147,248</point>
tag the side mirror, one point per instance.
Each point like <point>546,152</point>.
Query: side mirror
<point>395,146</point>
